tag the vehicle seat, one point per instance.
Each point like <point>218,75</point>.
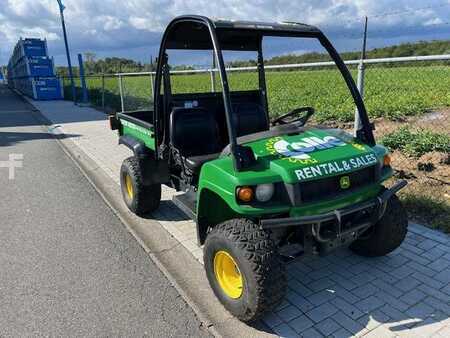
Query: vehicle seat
<point>194,133</point>
<point>249,118</point>
<point>194,163</point>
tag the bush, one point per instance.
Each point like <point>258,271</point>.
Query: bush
<point>417,143</point>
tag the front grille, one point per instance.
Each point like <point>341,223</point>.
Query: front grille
<point>330,187</point>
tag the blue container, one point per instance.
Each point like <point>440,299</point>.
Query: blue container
<point>34,51</point>
<point>33,42</point>
<point>48,88</point>
<point>39,60</point>
<point>34,47</point>
<point>41,70</point>
<point>39,88</point>
<point>28,47</point>
<point>35,66</point>
<point>31,71</point>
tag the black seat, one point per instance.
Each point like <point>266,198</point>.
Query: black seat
<point>194,133</point>
<point>194,163</point>
<point>249,118</point>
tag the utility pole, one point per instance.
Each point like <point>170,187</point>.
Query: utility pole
<point>360,81</point>
<point>69,63</point>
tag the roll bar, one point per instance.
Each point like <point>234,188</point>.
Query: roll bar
<point>243,156</point>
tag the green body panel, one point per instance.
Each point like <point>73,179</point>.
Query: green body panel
<point>140,133</point>
<point>311,155</point>
<point>328,151</point>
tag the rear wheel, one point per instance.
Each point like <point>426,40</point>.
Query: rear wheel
<point>387,234</point>
<point>244,269</point>
<point>139,198</point>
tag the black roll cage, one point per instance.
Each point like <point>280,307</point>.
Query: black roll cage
<point>241,155</point>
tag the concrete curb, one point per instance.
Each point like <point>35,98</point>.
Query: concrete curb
<point>183,271</point>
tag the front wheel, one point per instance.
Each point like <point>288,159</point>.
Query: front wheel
<point>386,235</point>
<point>244,269</point>
<point>139,197</point>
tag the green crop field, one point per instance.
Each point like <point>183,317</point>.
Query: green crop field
<point>391,92</point>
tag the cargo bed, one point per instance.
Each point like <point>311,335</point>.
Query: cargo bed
<point>139,125</point>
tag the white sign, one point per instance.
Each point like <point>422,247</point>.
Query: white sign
<point>335,167</point>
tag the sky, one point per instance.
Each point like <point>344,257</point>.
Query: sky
<point>133,28</point>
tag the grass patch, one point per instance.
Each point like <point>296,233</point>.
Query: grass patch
<point>432,211</point>
<point>416,143</point>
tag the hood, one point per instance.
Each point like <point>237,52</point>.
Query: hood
<point>312,154</point>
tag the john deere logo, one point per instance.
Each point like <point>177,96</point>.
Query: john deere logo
<point>344,182</point>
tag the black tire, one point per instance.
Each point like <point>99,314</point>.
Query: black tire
<point>263,273</point>
<point>386,235</point>
<point>143,198</point>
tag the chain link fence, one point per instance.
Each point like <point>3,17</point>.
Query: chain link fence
<point>410,106</point>
<point>408,99</point>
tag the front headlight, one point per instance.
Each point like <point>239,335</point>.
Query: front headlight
<point>264,192</point>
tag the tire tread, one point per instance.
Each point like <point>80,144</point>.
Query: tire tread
<point>146,197</point>
<point>388,233</point>
<point>259,250</point>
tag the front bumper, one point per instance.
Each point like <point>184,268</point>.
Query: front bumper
<point>342,225</point>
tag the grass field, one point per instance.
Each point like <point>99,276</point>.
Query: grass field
<point>393,93</point>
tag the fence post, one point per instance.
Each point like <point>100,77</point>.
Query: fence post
<point>213,81</point>
<point>151,83</point>
<point>121,93</point>
<point>103,92</point>
<point>360,80</point>
<point>212,74</point>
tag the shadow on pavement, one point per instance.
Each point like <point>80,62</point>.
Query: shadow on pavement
<point>12,138</point>
<point>15,111</point>
<point>166,213</point>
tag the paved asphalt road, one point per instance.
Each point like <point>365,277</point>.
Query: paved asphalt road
<point>68,267</point>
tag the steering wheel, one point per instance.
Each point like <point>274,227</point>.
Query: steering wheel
<point>295,116</point>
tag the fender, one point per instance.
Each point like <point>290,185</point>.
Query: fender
<point>138,148</point>
<point>208,216</point>
<point>153,171</point>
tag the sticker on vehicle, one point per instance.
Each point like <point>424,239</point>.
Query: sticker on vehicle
<point>335,167</point>
<point>301,149</point>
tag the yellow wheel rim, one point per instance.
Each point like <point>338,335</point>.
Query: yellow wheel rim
<point>129,186</point>
<point>228,275</point>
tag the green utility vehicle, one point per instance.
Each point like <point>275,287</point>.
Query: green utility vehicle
<point>261,192</point>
